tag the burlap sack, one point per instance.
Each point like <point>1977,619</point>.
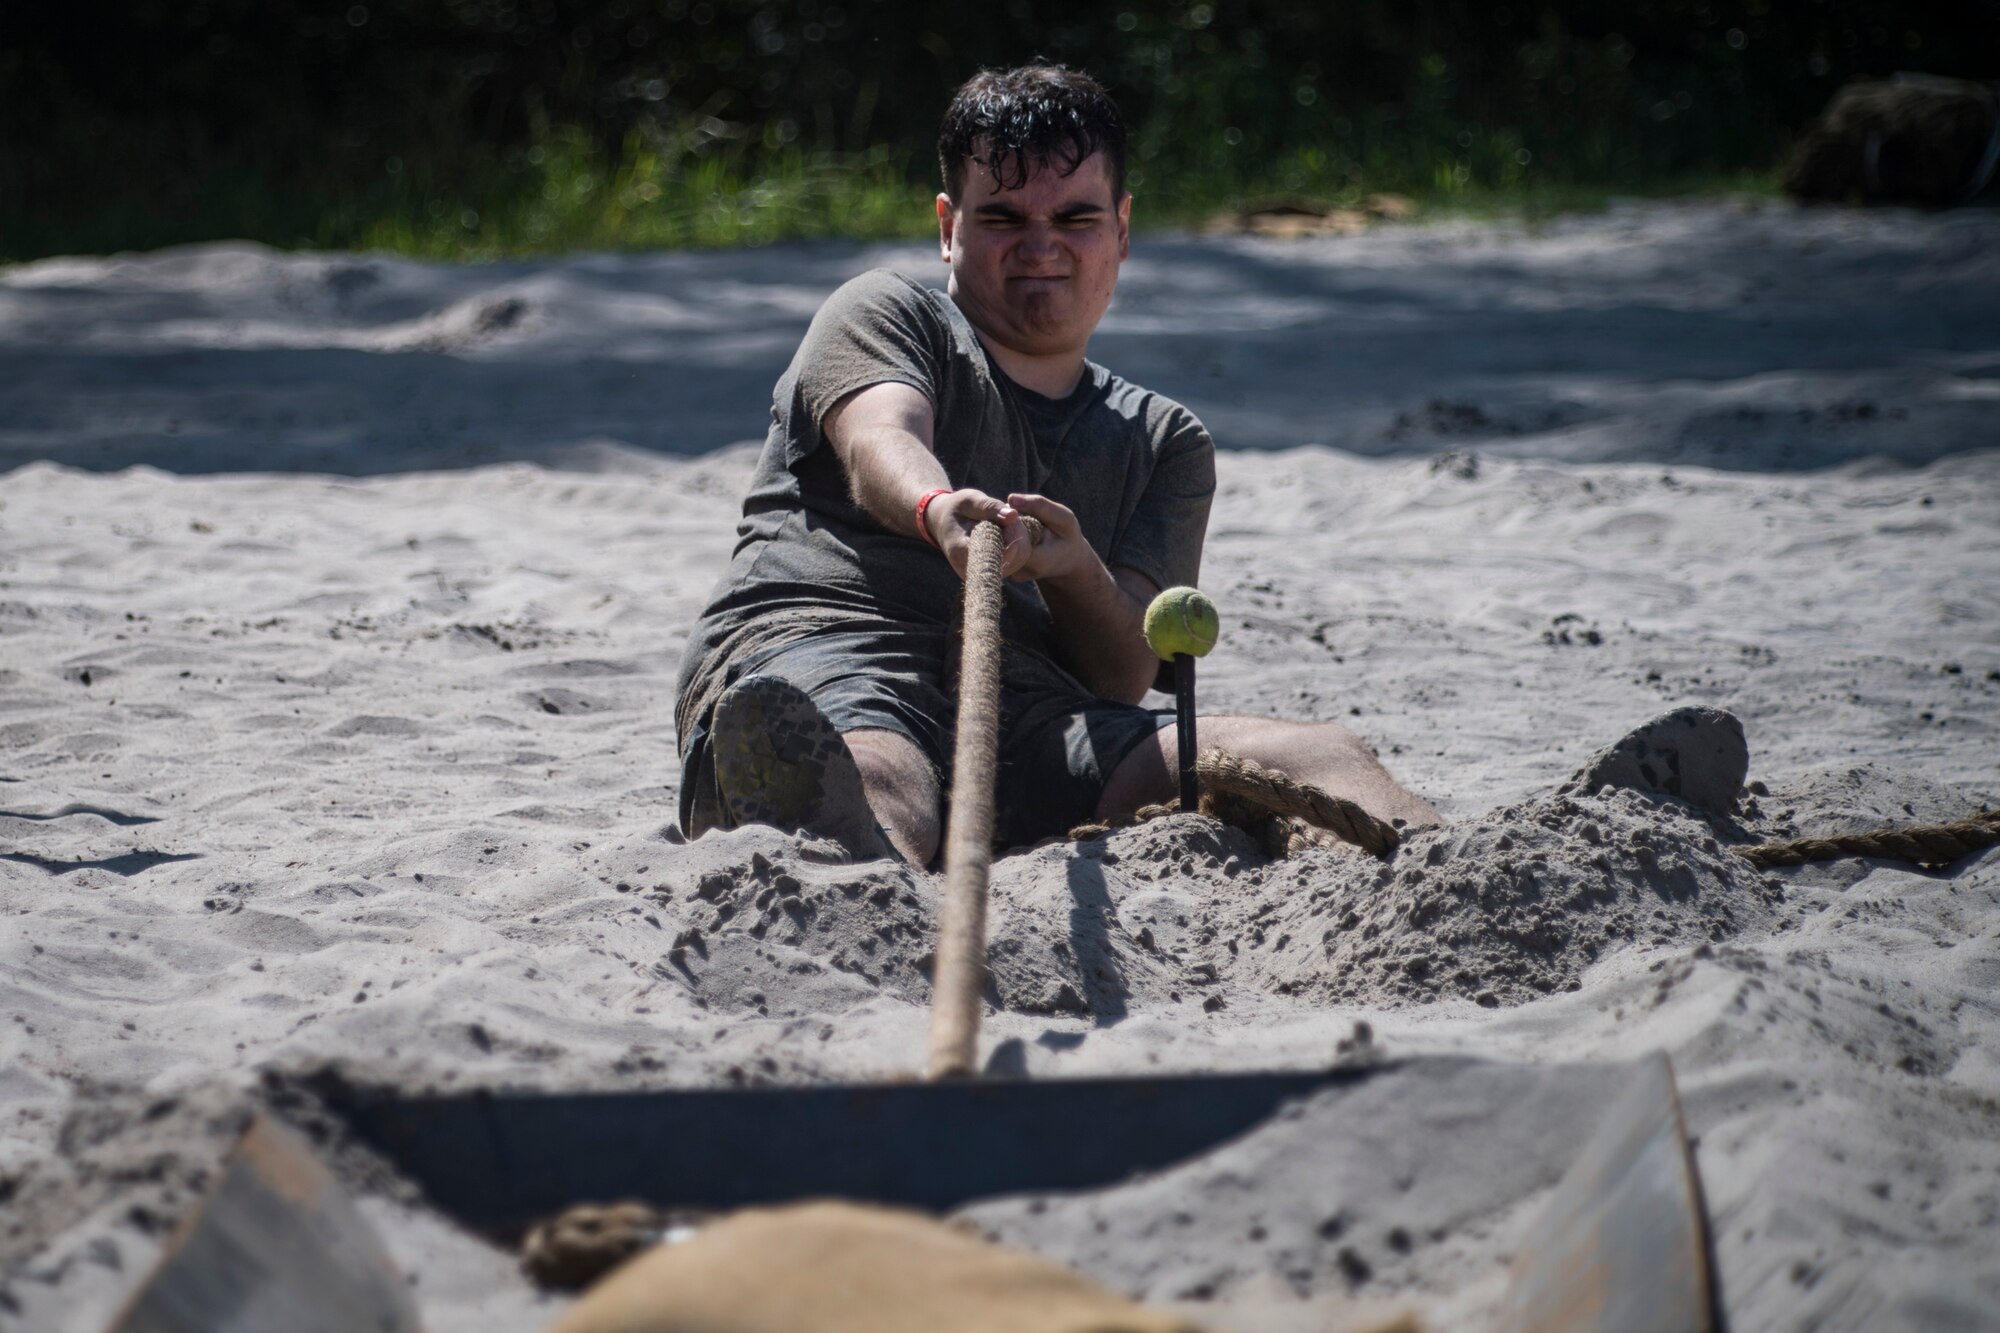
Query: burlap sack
<point>843,1268</point>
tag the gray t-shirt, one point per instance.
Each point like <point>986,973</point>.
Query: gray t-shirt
<point>1137,468</point>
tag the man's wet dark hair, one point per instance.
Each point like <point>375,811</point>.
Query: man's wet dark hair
<point>1027,118</point>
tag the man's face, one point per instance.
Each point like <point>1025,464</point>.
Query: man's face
<point>1034,268</point>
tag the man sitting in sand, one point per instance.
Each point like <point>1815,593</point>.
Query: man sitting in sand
<point>817,690</point>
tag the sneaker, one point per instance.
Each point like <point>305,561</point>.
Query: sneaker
<point>778,761</point>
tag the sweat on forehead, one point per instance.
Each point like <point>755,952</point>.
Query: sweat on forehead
<point>1010,168</point>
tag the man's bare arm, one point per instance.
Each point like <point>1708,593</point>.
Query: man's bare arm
<point>883,436</point>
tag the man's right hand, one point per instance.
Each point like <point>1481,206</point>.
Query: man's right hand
<point>882,436</point>
<point>952,517</point>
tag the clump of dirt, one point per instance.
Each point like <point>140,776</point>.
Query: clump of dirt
<point>1501,910</point>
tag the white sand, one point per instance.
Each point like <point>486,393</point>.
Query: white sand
<point>377,768</point>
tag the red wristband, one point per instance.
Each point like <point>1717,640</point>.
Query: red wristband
<point>924,503</point>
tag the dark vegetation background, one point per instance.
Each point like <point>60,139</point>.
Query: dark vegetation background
<point>469,127</point>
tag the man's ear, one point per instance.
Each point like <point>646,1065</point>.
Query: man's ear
<point>947,220</point>
<point>1125,226</point>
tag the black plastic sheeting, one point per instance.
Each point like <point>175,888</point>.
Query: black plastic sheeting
<point>500,1161</point>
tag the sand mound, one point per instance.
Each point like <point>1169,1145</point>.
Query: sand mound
<point>1854,798</point>
<point>1499,910</point>
<point>775,925</point>
<point>1095,928</point>
<point>763,923</point>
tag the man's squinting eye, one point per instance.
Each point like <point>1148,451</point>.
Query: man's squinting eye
<point>1076,220</point>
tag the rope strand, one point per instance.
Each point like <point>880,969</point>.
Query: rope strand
<point>959,975</point>
<point>1920,844</point>
<point>1284,814</point>
<point>1281,793</point>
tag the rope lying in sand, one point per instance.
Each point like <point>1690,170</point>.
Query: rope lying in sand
<point>1923,844</point>
<point>1278,835</point>
<point>1098,828</point>
<point>1287,816</point>
<point>960,974</point>
<point>1283,794</point>
<point>1282,813</point>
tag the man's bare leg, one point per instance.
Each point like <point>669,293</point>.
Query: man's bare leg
<point>1325,754</point>
<point>902,790</point>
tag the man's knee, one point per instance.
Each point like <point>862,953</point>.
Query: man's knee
<point>892,758</point>
<point>1341,739</point>
<point>1250,736</point>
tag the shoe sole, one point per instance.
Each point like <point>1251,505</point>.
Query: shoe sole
<point>778,761</point>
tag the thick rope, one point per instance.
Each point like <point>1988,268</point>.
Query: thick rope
<point>587,1240</point>
<point>1272,833</point>
<point>959,976</point>
<point>1921,844</point>
<point>1283,794</point>
<point>1285,815</point>
<point>1098,828</point>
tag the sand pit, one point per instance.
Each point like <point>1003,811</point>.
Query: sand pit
<point>340,600</point>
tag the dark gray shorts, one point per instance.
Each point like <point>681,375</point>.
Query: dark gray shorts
<point>1058,742</point>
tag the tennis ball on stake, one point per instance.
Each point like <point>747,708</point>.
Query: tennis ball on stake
<point>1182,620</point>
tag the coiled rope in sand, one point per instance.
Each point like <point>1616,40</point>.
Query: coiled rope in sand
<point>1283,813</point>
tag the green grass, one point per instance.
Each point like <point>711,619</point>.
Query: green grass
<point>1544,200</point>
<point>709,185</point>
<point>562,195</point>
<point>697,190</point>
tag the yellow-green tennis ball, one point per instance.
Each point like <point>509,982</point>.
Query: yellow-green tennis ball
<point>1182,620</point>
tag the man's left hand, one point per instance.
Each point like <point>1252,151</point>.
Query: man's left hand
<point>1059,550</point>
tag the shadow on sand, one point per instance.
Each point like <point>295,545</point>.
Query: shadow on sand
<point>1773,339</point>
